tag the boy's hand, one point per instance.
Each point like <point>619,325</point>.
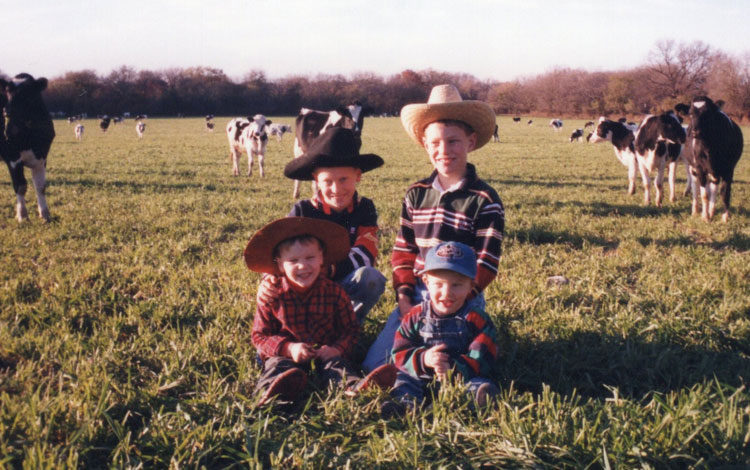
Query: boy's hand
<point>437,360</point>
<point>269,289</point>
<point>326,353</point>
<point>404,304</point>
<point>300,352</point>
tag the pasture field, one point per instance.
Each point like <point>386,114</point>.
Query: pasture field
<point>125,322</point>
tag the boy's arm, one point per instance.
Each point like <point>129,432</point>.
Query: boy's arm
<point>408,349</point>
<point>489,228</point>
<point>348,327</point>
<point>404,252</point>
<point>480,357</point>
<point>264,334</point>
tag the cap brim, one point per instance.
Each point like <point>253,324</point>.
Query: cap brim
<point>477,114</point>
<point>258,253</point>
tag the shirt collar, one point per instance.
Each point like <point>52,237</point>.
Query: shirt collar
<point>469,178</point>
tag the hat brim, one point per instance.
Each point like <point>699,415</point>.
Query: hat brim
<point>477,114</point>
<point>303,167</point>
<point>258,253</point>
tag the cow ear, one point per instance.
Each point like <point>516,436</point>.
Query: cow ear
<point>682,108</point>
<point>41,83</point>
<point>269,122</point>
<point>720,103</point>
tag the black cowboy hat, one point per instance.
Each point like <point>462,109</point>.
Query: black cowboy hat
<point>337,147</point>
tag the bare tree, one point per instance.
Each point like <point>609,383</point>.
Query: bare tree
<point>679,71</point>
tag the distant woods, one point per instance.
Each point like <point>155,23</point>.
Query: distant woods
<point>673,72</point>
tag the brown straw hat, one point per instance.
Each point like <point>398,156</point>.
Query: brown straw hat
<point>445,103</point>
<point>259,250</point>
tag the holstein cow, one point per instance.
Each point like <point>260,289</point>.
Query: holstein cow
<point>279,130</point>
<point>713,148</point>
<point>658,142</point>
<point>209,122</point>
<point>495,135</point>
<point>140,128</point>
<point>588,123</point>
<point>623,140</point>
<point>577,135</point>
<point>79,131</point>
<point>250,136</point>
<point>310,124</point>
<point>517,119</point>
<point>29,134</point>
<point>104,123</point>
<point>556,124</point>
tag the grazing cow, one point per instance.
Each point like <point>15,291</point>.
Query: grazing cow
<point>250,135</point>
<point>713,148</point>
<point>116,120</point>
<point>530,122</point>
<point>209,126</point>
<point>310,124</point>
<point>623,141</point>
<point>588,123</point>
<point>577,135</point>
<point>104,123</point>
<point>517,119</point>
<point>658,142</point>
<point>495,136</point>
<point>28,138</point>
<point>79,132</point>
<point>279,130</point>
<point>140,128</point>
<point>556,124</point>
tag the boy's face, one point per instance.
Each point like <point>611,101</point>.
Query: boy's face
<point>448,290</point>
<point>337,185</point>
<point>448,147</point>
<point>301,263</point>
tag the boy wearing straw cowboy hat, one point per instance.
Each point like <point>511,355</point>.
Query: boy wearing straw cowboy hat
<point>453,204</point>
<point>311,318</point>
<point>334,162</point>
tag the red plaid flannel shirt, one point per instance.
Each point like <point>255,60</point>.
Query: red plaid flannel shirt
<point>322,315</point>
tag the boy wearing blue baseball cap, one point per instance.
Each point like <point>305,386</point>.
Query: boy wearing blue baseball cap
<point>446,332</point>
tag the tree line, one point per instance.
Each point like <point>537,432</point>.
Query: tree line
<point>673,73</point>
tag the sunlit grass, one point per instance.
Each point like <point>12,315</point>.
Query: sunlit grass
<point>125,322</point>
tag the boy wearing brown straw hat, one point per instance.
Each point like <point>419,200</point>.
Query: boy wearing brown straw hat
<point>311,318</point>
<point>334,162</point>
<point>453,204</point>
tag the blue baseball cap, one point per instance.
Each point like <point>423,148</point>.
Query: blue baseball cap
<point>453,256</point>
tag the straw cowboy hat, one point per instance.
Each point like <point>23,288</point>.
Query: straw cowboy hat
<point>337,147</point>
<point>259,250</point>
<point>445,103</point>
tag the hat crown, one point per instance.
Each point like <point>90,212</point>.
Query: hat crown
<point>444,94</point>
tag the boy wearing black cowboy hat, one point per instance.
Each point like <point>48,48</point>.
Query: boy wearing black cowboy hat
<point>333,161</point>
<point>310,319</point>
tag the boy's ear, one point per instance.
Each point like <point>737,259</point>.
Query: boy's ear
<point>472,141</point>
<point>359,175</point>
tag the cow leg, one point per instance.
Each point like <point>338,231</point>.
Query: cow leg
<point>631,177</point>
<point>726,196</point>
<point>249,163</point>
<point>646,184</point>
<point>672,180</point>
<point>21,212</point>
<point>235,156</point>
<point>39,177</point>
<point>689,183</point>
<point>659,184</point>
<point>713,188</point>
<point>705,190</point>
<point>261,160</point>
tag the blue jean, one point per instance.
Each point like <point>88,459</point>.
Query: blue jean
<point>380,350</point>
<point>364,286</point>
<point>412,389</point>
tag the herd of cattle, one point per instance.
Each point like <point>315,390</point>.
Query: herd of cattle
<point>710,144</point>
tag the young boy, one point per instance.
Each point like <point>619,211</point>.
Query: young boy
<point>447,332</point>
<point>334,162</point>
<point>453,204</point>
<point>310,318</point>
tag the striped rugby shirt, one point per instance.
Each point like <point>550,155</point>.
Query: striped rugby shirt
<point>360,219</point>
<point>472,214</point>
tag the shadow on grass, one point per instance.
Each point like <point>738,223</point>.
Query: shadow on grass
<point>590,361</point>
<point>543,236</point>
<point>133,186</point>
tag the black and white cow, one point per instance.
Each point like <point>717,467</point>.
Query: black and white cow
<point>588,124</point>
<point>28,138</point>
<point>556,124</point>
<point>623,141</point>
<point>140,128</point>
<point>104,123</point>
<point>79,132</point>
<point>530,122</point>
<point>577,135</point>
<point>713,147</point>
<point>310,124</point>
<point>658,143</point>
<point>517,119</point>
<point>116,120</point>
<point>279,130</point>
<point>209,122</point>
<point>249,135</point>
<point>496,135</point>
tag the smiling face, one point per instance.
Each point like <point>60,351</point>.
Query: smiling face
<point>301,262</point>
<point>337,185</point>
<point>448,290</point>
<point>448,146</point>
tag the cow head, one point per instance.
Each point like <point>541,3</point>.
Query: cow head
<point>602,131</point>
<point>358,116</point>
<point>701,107</point>
<point>24,97</point>
<point>259,127</point>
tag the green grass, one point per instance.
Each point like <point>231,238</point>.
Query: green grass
<point>125,322</point>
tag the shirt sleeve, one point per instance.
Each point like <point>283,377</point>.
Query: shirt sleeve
<point>481,354</point>
<point>405,249</point>
<point>408,347</point>
<point>490,227</point>
<point>265,331</point>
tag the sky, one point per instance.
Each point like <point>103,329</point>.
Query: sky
<point>491,39</point>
